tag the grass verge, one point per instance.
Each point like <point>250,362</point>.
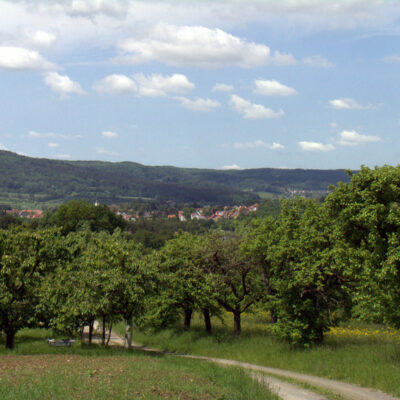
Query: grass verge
<point>360,354</point>
<point>36,371</point>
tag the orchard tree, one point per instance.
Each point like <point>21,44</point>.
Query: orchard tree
<point>25,258</point>
<point>310,275</point>
<point>183,284</point>
<point>367,215</point>
<point>235,276</point>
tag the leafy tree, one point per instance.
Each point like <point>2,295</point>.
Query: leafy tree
<point>367,215</point>
<point>72,215</point>
<point>25,258</point>
<point>310,278</point>
<point>235,278</point>
<point>183,283</point>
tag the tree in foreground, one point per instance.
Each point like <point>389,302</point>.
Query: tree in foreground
<point>367,215</point>
<point>25,258</point>
<point>310,275</point>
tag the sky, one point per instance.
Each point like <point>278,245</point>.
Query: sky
<point>224,84</point>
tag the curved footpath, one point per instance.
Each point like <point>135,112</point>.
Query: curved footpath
<point>286,391</point>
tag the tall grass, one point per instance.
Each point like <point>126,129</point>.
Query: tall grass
<point>33,370</point>
<point>365,355</point>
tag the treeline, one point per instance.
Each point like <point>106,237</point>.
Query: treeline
<point>311,266</point>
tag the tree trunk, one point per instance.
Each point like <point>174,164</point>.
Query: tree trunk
<point>188,319</point>
<point>10,339</point>
<point>109,333</point>
<point>236,323</point>
<point>103,331</point>
<point>128,333</point>
<point>274,317</point>
<point>207,320</point>
<point>90,331</point>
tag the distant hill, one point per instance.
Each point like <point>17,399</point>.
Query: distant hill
<point>44,182</point>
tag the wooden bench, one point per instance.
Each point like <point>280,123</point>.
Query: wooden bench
<point>60,342</point>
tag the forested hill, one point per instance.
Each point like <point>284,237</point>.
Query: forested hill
<point>36,180</point>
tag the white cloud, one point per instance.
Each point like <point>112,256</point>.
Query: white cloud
<point>40,38</point>
<point>352,138</point>
<point>257,144</point>
<point>317,61</point>
<point>391,59</point>
<point>314,146</point>
<point>253,111</point>
<point>160,85</point>
<point>346,103</point>
<point>197,46</point>
<point>222,87</point>
<point>106,152</point>
<point>52,144</point>
<point>19,58</point>
<point>233,166</point>
<point>273,88</point>
<point>94,8</point>
<point>115,83</point>
<point>198,104</point>
<point>44,135</point>
<point>62,84</point>
<point>40,135</point>
<point>4,148</point>
<point>109,134</point>
<point>63,156</point>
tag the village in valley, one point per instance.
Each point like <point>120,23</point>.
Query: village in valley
<point>201,213</point>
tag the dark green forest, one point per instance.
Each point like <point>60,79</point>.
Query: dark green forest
<point>36,182</point>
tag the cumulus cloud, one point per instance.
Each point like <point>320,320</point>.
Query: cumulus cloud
<point>52,144</point>
<point>317,61</point>
<point>353,138</point>
<point>19,58</point>
<point>40,38</point>
<point>198,104</point>
<point>222,87</point>
<point>197,46</point>
<point>2,147</point>
<point>94,8</point>
<point>109,134</point>
<point>62,84</point>
<point>233,166</point>
<point>115,83</point>
<point>272,88</point>
<point>253,111</point>
<point>160,85</point>
<point>315,146</point>
<point>257,144</point>
<point>106,152</point>
<point>346,103</point>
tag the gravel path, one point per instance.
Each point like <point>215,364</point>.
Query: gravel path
<point>283,389</point>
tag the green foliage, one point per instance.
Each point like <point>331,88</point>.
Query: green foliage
<point>76,213</point>
<point>367,215</point>
<point>25,258</point>
<point>36,182</point>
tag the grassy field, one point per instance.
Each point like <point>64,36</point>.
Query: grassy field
<point>33,370</point>
<point>363,354</point>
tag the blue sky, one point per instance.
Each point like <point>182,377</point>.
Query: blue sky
<point>210,84</point>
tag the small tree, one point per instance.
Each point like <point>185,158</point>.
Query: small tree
<point>235,277</point>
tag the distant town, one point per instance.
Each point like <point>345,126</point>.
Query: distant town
<point>201,213</point>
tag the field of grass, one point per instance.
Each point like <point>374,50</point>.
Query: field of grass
<point>33,370</point>
<point>362,354</point>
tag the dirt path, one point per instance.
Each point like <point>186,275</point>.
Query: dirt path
<point>283,389</point>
